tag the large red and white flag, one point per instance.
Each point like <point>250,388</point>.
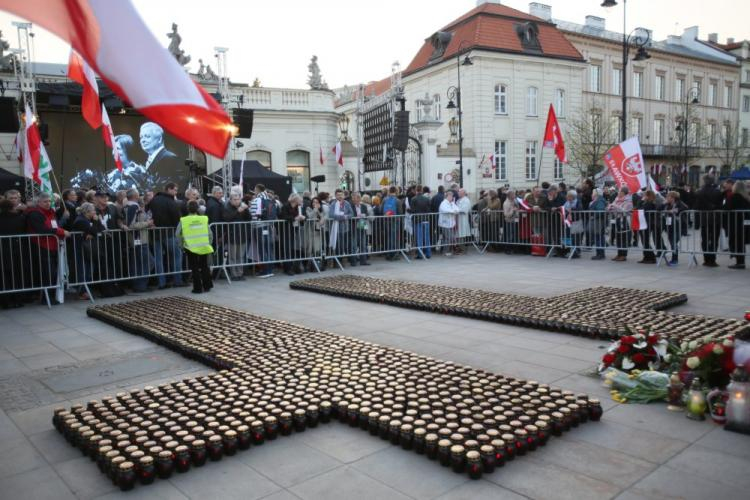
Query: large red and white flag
<point>638,222</point>
<point>109,137</point>
<point>626,165</point>
<point>553,136</point>
<point>339,154</point>
<point>112,38</point>
<point>79,71</point>
<point>36,164</point>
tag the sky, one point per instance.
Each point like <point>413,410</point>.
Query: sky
<point>358,41</point>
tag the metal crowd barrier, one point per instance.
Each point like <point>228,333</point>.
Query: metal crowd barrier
<point>32,263</point>
<point>667,234</point>
<point>29,263</point>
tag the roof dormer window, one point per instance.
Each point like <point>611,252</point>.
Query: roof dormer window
<point>528,33</point>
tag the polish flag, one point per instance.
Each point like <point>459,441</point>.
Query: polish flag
<point>339,154</point>
<point>638,222</point>
<point>553,136</point>
<point>322,158</point>
<point>112,38</point>
<point>522,203</point>
<point>109,137</point>
<point>31,149</point>
<point>492,161</point>
<point>566,217</point>
<point>79,71</point>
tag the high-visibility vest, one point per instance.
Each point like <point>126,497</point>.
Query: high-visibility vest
<point>195,234</point>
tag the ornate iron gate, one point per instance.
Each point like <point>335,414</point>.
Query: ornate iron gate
<point>408,165</point>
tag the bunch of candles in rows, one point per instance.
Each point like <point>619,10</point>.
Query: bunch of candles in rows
<point>603,312</point>
<point>286,378</point>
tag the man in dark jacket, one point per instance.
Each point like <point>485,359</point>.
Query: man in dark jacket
<point>14,266</point>
<point>708,200</point>
<point>214,210</point>
<point>421,206</point>
<point>166,212</point>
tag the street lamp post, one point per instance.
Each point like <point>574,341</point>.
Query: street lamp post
<point>454,92</point>
<point>683,127</point>
<point>638,40</point>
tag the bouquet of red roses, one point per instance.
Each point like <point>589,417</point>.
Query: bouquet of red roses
<point>710,359</point>
<point>640,350</point>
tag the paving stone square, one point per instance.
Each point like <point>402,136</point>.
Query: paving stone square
<point>636,451</point>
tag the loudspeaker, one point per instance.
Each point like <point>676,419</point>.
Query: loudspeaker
<point>401,131</point>
<point>8,116</point>
<point>318,178</point>
<point>243,118</point>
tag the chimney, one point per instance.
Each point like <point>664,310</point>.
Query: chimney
<point>595,22</point>
<point>480,2</point>
<point>730,40</point>
<point>713,37</point>
<point>541,11</point>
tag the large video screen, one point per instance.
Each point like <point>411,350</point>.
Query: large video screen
<point>81,159</point>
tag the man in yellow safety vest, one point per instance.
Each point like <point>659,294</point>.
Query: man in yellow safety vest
<point>195,238</point>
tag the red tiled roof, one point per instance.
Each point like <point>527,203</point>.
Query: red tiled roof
<point>493,27</point>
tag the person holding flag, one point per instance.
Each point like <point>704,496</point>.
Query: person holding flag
<point>621,207</point>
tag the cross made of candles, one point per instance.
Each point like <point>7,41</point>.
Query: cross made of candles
<point>603,312</point>
<point>276,378</point>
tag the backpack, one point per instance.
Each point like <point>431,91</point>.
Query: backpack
<point>269,209</point>
<point>390,205</point>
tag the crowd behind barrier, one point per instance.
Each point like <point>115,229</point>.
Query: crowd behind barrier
<point>99,247</point>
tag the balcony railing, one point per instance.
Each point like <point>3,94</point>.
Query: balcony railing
<point>669,150</point>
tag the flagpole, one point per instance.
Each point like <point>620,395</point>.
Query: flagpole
<point>541,162</point>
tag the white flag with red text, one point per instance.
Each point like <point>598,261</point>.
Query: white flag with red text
<point>113,39</point>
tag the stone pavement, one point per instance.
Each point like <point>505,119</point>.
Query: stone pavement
<point>61,357</point>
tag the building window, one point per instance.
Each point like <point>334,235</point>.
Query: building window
<point>745,137</point>
<point>263,157</point>
<point>728,96</point>
<point>558,169</point>
<point>747,76</point>
<point>298,168</point>
<point>712,94</point>
<point>711,133</point>
<point>637,84</point>
<point>530,160</point>
<point>746,103</point>
<point>501,160</point>
<point>595,84</point>
<point>679,89</point>
<point>531,98</point>
<point>560,103</point>
<point>693,134</point>
<point>614,129</point>
<point>501,99</point>
<point>725,136</point>
<point>658,131</point>
<point>659,88</point>
<point>697,89</point>
<point>636,127</point>
<point>617,81</point>
<point>436,109</point>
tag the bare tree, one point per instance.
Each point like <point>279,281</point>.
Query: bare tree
<point>689,138</point>
<point>728,148</point>
<point>588,136</point>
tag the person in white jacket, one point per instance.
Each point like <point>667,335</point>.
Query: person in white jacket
<point>464,226</point>
<point>447,221</point>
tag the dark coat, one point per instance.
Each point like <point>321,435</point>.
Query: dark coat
<point>421,204</point>
<point>165,210</point>
<point>739,233</point>
<point>436,201</point>
<point>214,210</point>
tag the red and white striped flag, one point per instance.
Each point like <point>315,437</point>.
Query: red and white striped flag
<point>36,164</point>
<point>339,154</point>
<point>638,222</point>
<point>113,39</point>
<point>322,158</point>
<point>79,71</point>
<point>492,161</point>
<point>109,137</point>
<point>566,217</point>
<point>522,203</point>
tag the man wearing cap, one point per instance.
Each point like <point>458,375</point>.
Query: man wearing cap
<point>195,238</point>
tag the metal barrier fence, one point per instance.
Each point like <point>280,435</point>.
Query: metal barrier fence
<point>661,235</point>
<point>41,262</point>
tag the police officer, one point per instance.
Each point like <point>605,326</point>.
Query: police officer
<point>195,238</point>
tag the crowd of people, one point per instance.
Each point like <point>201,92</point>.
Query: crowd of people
<point>131,240</point>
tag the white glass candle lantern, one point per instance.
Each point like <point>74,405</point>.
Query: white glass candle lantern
<point>738,402</point>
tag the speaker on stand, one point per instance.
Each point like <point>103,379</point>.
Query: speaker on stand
<point>243,118</point>
<point>401,130</point>
<point>317,179</point>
